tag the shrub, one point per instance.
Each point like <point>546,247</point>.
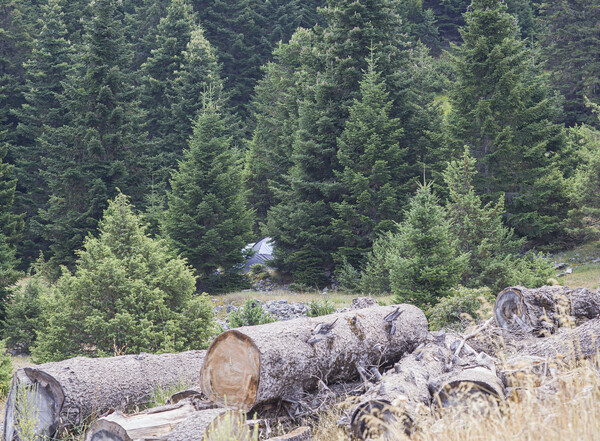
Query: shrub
<point>257,268</point>
<point>6,368</point>
<point>250,314</point>
<point>460,307</point>
<point>129,294</point>
<point>324,307</point>
<point>24,310</point>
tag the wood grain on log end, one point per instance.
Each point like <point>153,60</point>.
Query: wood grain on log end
<point>232,371</point>
<point>374,418</point>
<point>300,434</point>
<point>510,309</point>
<point>457,389</point>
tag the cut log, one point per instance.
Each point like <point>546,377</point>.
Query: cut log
<point>65,393</point>
<point>545,309</point>
<point>458,389</point>
<point>278,361</point>
<point>156,423</point>
<point>567,347</point>
<point>300,434</point>
<point>398,394</point>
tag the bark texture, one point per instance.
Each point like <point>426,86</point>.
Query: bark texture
<point>456,388</point>
<point>70,391</point>
<point>252,365</point>
<point>566,347</point>
<point>545,309</point>
<point>401,389</point>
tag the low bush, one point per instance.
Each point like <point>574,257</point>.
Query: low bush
<point>250,314</point>
<point>319,308</point>
<point>460,308</point>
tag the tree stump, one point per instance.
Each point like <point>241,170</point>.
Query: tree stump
<point>278,361</point>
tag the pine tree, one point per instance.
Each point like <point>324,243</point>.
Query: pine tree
<point>571,46</point>
<point>206,218</point>
<point>46,71</point>
<point>505,113</point>
<point>159,75</point>
<point>10,228</point>
<point>238,29</point>
<point>142,19</point>
<point>101,147</point>
<point>423,260</point>
<point>480,230</point>
<point>128,293</point>
<point>14,51</point>
<point>373,173</point>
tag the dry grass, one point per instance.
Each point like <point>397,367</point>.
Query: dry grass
<point>570,413</point>
<point>339,300</point>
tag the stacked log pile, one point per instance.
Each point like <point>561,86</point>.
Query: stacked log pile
<point>384,355</point>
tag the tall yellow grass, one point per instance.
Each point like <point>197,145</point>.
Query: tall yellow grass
<point>564,408</point>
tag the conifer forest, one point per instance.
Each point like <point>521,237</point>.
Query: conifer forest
<point>407,147</point>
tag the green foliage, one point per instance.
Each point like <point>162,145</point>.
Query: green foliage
<point>571,45</point>
<point>101,147</point>
<point>128,294</point>
<point>25,311</point>
<point>584,185</point>
<point>493,248</point>
<point>250,314</point>
<point>6,370</point>
<point>533,270</point>
<point>318,308</point>
<point>505,112</point>
<point>373,170</point>
<point>460,308</point>
<point>206,218</point>
<point>423,260</point>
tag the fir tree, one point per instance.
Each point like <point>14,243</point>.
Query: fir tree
<point>571,44</point>
<point>142,19</point>
<point>10,228</point>
<point>423,260</point>
<point>173,36</point>
<point>505,113</point>
<point>206,218</point>
<point>46,71</point>
<point>373,171</point>
<point>480,229</point>
<point>128,293</point>
<point>100,148</point>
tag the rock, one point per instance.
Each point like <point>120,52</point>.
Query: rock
<point>363,302</point>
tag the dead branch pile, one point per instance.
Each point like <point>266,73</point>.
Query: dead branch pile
<point>283,373</point>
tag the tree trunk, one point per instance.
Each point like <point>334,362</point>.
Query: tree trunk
<point>394,399</point>
<point>459,388</point>
<point>255,364</point>
<point>65,393</point>
<point>543,310</point>
<point>566,347</point>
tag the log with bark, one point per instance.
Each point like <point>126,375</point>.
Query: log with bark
<point>458,388</point>
<point>278,361</point>
<point>567,347</point>
<point>61,394</point>
<point>400,391</point>
<point>543,310</point>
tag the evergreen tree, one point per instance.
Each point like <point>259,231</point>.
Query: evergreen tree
<point>239,30</point>
<point>101,146</point>
<point>571,46</point>
<point>10,227</point>
<point>173,36</point>
<point>206,218</point>
<point>480,230</point>
<point>423,260</point>
<point>373,171</point>
<point>504,112</point>
<point>46,71</point>
<point>14,51</point>
<point>142,19</point>
<point>128,293</point>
